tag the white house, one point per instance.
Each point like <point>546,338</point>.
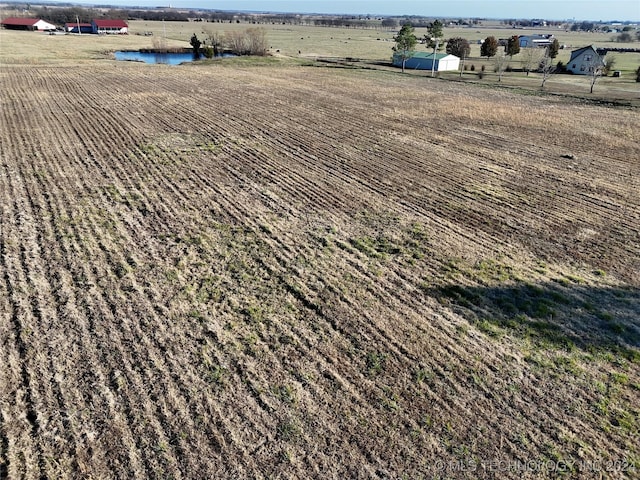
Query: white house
<point>424,61</point>
<point>584,61</point>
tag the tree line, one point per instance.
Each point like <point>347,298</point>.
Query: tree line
<point>406,41</point>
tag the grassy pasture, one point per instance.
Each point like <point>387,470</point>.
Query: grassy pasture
<point>299,43</point>
<point>225,271</point>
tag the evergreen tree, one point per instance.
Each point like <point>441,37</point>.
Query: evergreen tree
<point>195,44</point>
<point>406,41</point>
<point>433,39</point>
<point>434,34</point>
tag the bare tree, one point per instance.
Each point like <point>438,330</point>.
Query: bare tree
<point>500,64</point>
<point>609,63</point>
<point>257,41</point>
<point>547,68</point>
<point>237,42</point>
<point>252,41</point>
<point>531,58</point>
<point>596,70</point>
<point>215,39</point>
<point>159,44</point>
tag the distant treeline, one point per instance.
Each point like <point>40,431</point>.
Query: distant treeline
<point>584,26</point>
<point>62,15</point>
<point>70,14</point>
<point>58,15</point>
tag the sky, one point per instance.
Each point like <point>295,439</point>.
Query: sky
<point>605,10</point>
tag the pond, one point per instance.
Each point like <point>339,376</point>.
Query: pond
<point>155,57</point>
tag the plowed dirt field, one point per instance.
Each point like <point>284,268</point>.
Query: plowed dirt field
<point>296,272</point>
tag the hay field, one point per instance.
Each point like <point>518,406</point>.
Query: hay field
<point>225,271</point>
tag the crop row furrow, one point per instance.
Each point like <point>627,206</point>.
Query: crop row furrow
<point>96,324</point>
<point>102,247</point>
<point>51,188</point>
<point>92,361</point>
<point>27,332</point>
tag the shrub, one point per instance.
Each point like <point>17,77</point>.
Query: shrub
<point>609,63</point>
<point>252,41</point>
<point>638,75</point>
<point>473,67</point>
<point>483,68</point>
<point>624,37</point>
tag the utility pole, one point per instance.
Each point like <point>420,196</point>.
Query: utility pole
<point>433,60</point>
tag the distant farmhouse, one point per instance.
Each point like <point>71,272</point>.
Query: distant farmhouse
<point>528,41</point>
<point>33,24</point>
<point>425,61</point>
<point>584,61</point>
<point>110,26</point>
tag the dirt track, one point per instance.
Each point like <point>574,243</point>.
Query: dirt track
<point>296,272</point>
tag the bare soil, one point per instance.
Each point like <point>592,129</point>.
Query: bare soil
<point>294,272</point>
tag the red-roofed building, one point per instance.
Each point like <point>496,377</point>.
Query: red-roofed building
<point>110,26</point>
<point>35,24</point>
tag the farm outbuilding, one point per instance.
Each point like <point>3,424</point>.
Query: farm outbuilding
<point>78,27</point>
<point>584,61</point>
<point>529,41</point>
<point>33,24</point>
<point>425,61</point>
<point>110,26</point>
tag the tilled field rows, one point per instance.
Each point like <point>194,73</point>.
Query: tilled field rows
<point>210,272</point>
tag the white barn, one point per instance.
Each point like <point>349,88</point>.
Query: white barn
<point>425,61</point>
<point>584,61</point>
<point>110,26</point>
